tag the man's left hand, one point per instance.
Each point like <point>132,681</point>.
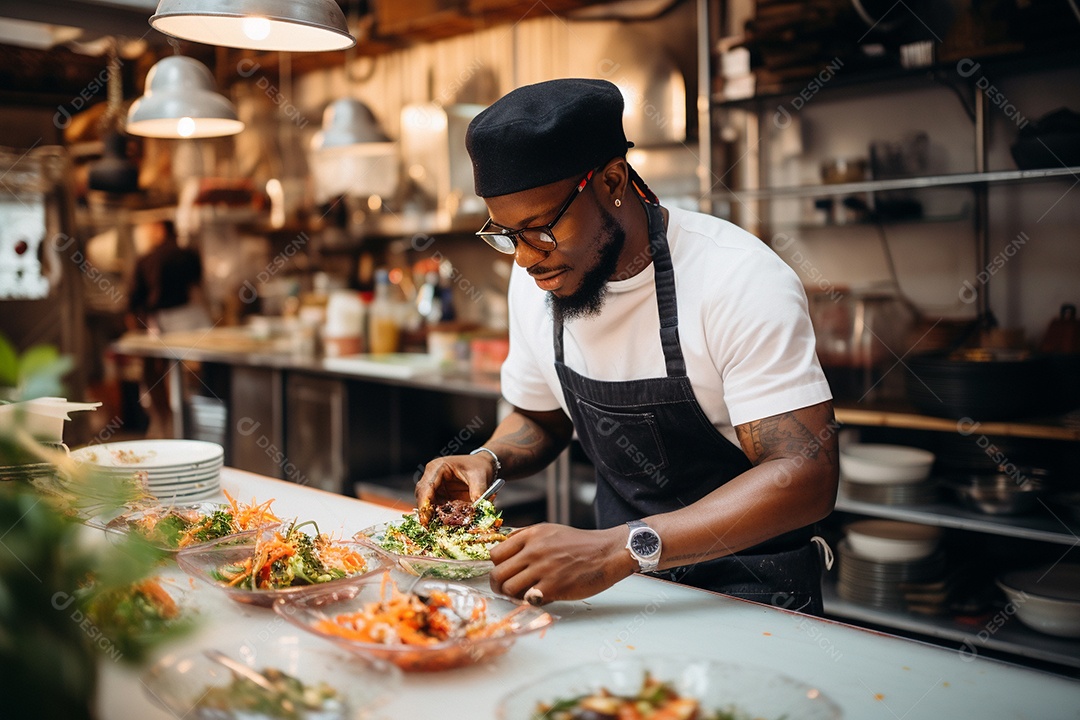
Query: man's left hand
<point>560,562</point>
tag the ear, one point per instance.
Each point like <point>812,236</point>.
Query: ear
<point>614,181</point>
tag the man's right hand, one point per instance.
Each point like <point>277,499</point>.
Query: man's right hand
<point>453,477</point>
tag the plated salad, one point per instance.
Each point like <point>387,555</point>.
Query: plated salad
<point>656,700</point>
<point>290,699</point>
<point>457,531</point>
<point>137,616</point>
<point>175,528</point>
<point>290,559</point>
<point>408,618</point>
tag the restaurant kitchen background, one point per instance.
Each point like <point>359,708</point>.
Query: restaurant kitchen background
<point>915,163</point>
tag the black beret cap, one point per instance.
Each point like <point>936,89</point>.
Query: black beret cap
<point>540,134</point>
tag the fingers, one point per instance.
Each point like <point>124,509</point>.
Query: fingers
<point>461,477</point>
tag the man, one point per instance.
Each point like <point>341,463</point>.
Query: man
<point>662,337</point>
<point>166,296</point>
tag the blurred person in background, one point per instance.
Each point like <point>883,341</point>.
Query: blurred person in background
<point>166,296</point>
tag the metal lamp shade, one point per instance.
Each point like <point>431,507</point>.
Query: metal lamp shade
<point>181,102</point>
<point>282,25</point>
<point>349,123</point>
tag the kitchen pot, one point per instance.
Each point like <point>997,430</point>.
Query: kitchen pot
<point>1061,343</point>
<point>998,493</point>
<point>860,335</point>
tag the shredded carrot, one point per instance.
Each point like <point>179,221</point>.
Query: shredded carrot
<point>399,618</point>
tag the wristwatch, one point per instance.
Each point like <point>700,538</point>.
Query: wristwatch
<point>644,545</point>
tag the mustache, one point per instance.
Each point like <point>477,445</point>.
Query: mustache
<point>534,271</point>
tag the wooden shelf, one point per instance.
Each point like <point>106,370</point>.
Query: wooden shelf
<point>1062,428</point>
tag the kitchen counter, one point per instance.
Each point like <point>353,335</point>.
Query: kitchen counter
<point>233,346</point>
<point>868,674</point>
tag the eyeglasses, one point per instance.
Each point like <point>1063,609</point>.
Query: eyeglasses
<point>540,238</point>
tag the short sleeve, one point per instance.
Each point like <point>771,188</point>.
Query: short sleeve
<point>524,382</point>
<point>767,357</point>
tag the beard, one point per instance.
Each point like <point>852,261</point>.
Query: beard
<point>588,300</point>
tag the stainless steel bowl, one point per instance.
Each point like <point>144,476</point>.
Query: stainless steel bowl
<point>999,493</point>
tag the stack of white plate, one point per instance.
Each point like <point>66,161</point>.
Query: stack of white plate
<point>175,470</point>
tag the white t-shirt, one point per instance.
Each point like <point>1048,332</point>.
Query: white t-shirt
<point>743,326</point>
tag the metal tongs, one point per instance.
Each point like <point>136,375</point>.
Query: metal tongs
<point>495,487</point>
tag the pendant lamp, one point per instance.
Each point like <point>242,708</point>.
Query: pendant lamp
<point>114,172</point>
<point>282,25</point>
<point>349,122</point>
<point>181,101</point>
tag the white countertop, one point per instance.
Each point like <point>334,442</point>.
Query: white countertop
<point>870,675</point>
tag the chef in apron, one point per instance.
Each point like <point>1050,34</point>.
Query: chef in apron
<point>686,370</point>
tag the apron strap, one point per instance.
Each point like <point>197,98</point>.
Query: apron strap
<point>667,305</point>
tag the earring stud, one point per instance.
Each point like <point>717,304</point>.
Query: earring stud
<point>618,202</point>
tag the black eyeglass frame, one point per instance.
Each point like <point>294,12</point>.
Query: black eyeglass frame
<point>513,235</point>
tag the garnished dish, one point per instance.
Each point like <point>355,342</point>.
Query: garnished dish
<point>138,615</point>
<point>663,687</point>
<point>656,700</point>
<point>287,698</point>
<point>455,545</point>
<point>258,567</point>
<point>411,618</point>
<point>280,677</point>
<point>282,560</point>
<point>435,625</point>
<point>180,526</point>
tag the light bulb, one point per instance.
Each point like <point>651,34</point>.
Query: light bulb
<point>256,28</point>
<point>185,127</point>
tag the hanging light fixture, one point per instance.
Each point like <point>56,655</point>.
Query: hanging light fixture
<point>283,25</point>
<point>181,101</point>
<point>114,172</point>
<point>348,122</point>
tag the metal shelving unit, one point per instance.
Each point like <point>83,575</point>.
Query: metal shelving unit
<point>1011,637</point>
<point>1052,528</point>
<point>995,177</point>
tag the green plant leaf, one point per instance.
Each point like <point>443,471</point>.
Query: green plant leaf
<point>37,359</point>
<point>9,364</point>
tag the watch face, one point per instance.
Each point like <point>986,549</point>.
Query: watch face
<point>645,543</point>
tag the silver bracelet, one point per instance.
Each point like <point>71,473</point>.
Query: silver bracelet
<point>498,465</point>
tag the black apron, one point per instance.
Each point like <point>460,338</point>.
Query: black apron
<point>655,451</point>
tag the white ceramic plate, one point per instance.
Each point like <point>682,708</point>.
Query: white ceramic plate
<point>151,454</point>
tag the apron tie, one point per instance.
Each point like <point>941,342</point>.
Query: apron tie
<point>826,551</point>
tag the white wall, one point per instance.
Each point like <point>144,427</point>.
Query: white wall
<point>1041,268</point>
